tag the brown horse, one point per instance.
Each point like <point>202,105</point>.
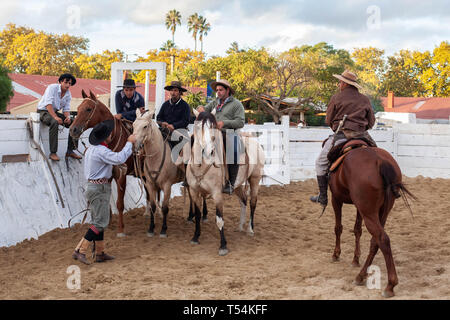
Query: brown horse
<point>370,179</point>
<point>90,112</point>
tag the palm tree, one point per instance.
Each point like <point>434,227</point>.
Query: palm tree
<point>168,45</point>
<point>194,23</point>
<point>205,27</point>
<point>173,18</point>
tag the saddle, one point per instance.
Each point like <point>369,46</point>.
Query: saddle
<point>338,153</point>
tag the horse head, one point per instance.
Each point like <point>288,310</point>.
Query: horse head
<point>90,112</point>
<point>143,127</point>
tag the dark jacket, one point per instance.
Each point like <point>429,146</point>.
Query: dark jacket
<point>177,114</point>
<point>127,107</point>
<point>356,106</point>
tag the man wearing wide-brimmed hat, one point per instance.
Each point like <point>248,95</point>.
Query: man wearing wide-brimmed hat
<point>359,117</point>
<point>128,100</point>
<point>175,113</point>
<point>98,163</point>
<point>230,116</point>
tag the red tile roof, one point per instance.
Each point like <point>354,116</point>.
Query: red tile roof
<point>424,108</point>
<point>38,84</point>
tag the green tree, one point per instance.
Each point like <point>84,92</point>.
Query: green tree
<point>173,18</point>
<point>204,28</point>
<point>6,88</point>
<point>168,45</point>
<point>194,23</point>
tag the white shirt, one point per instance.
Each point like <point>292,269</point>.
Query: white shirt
<point>52,95</point>
<point>99,160</point>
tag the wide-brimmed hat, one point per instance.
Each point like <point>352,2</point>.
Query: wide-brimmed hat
<point>128,83</point>
<point>175,84</point>
<point>100,132</point>
<point>222,82</point>
<point>348,77</point>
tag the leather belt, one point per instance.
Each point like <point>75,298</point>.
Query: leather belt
<point>100,181</point>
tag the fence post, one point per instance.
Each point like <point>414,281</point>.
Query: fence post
<point>285,148</point>
<point>395,134</point>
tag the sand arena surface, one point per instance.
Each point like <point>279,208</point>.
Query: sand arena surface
<point>288,258</point>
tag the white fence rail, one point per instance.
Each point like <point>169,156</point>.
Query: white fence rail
<point>30,206</point>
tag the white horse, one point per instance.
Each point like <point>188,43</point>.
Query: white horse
<point>206,172</point>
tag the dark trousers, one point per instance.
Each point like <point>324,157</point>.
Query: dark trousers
<point>48,120</point>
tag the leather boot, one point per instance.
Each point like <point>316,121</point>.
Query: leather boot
<point>322,198</point>
<point>100,255</point>
<point>80,251</point>
<point>233,170</point>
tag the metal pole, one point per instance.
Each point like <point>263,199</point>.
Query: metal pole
<point>147,81</point>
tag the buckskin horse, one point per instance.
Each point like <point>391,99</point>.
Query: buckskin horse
<point>90,112</point>
<point>205,174</point>
<point>369,178</point>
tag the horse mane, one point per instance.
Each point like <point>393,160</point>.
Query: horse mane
<point>207,116</point>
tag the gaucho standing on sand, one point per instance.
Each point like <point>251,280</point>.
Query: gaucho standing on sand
<point>98,163</point>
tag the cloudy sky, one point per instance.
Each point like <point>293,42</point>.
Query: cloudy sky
<point>135,26</point>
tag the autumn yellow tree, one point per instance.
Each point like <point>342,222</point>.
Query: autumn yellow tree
<point>26,51</point>
<point>97,66</point>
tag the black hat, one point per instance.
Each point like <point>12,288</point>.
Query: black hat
<point>128,83</point>
<point>175,84</point>
<point>67,76</point>
<point>100,132</point>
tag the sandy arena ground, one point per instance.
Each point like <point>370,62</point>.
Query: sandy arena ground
<point>288,258</point>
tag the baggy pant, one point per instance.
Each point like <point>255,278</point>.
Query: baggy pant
<point>322,162</point>
<point>48,120</point>
<point>98,197</point>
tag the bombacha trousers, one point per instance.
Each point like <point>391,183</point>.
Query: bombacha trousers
<point>98,197</point>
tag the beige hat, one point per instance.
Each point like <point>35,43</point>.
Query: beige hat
<point>348,77</point>
<point>222,82</point>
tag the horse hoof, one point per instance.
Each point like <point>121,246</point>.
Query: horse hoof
<point>194,242</point>
<point>163,235</point>
<point>150,234</point>
<point>205,220</point>
<point>359,282</point>
<point>355,264</point>
<point>388,294</point>
<point>251,233</point>
<point>223,252</point>
<point>121,235</point>
<point>335,259</point>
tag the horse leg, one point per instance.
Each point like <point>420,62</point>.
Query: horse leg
<point>385,247</point>
<point>254,188</point>
<point>383,242</point>
<point>151,229</point>
<point>205,211</point>
<point>196,204</point>
<point>337,206</point>
<point>121,184</point>
<point>357,231</point>
<point>218,199</point>
<point>243,201</point>
<point>165,210</point>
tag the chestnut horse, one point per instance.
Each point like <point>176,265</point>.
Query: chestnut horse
<point>370,179</point>
<point>90,112</point>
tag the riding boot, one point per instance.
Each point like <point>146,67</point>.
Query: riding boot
<point>100,255</point>
<point>80,251</point>
<point>322,198</point>
<point>232,172</point>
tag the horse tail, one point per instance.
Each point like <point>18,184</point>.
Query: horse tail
<point>392,187</point>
